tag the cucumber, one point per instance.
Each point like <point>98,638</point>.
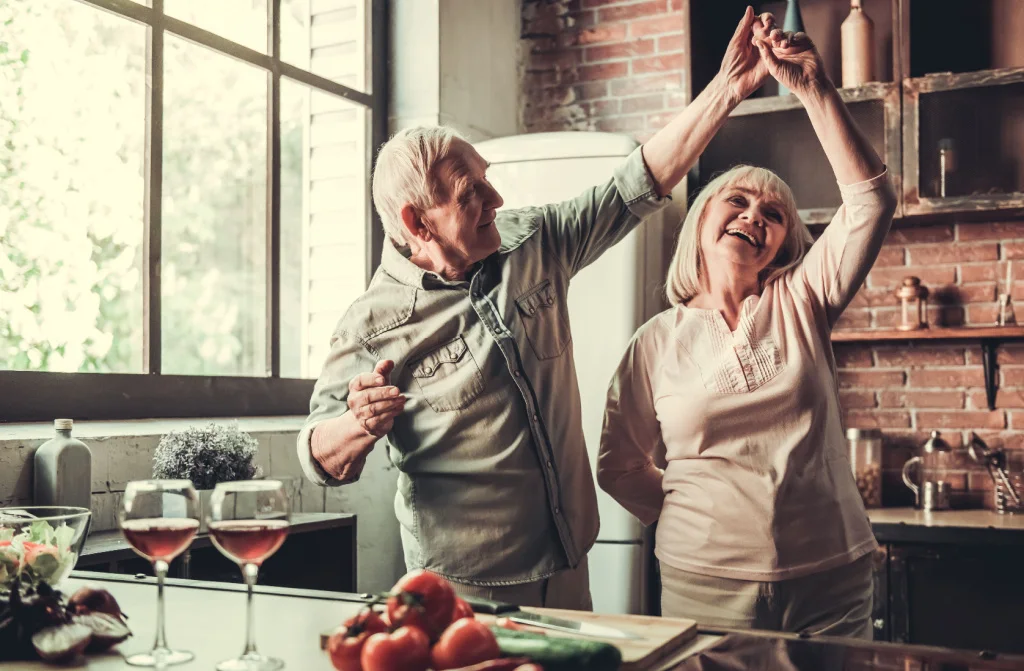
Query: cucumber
<point>556,653</point>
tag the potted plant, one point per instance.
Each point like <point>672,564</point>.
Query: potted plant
<point>207,455</point>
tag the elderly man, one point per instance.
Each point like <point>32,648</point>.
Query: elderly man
<point>458,353</point>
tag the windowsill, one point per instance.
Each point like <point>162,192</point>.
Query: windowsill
<point>147,427</point>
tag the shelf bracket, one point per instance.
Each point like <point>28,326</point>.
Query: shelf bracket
<point>988,363</point>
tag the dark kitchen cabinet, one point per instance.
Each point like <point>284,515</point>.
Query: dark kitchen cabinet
<point>951,595</point>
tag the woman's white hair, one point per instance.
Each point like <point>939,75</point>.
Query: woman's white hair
<point>405,174</point>
<point>686,274</point>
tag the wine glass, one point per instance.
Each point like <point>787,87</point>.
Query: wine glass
<point>159,518</point>
<point>248,522</point>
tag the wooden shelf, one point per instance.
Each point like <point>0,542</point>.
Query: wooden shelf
<point>953,333</point>
<point>770,104</point>
<point>987,336</point>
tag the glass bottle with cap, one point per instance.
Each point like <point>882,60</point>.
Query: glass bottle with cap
<point>866,460</point>
<point>933,492</point>
<point>62,470</point>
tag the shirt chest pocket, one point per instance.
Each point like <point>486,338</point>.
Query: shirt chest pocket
<point>541,312</point>
<point>449,377</point>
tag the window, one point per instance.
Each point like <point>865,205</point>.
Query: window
<point>184,201</point>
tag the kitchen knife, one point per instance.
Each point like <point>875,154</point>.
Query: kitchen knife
<point>512,612</point>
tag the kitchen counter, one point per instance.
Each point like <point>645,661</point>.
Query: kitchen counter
<point>964,527</point>
<point>209,620</point>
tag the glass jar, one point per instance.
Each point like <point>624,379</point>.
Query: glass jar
<point>866,460</point>
<point>1006,502</point>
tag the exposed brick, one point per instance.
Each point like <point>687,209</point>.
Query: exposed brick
<point>990,231</point>
<point>559,59</point>
<point>921,399</point>
<point>853,356</point>
<point>648,84</point>
<point>944,378</point>
<point>978,314</point>
<point>1010,354</point>
<point>1005,398</point>
<point>944,253</point>
<point>919,356</point>
<point>869,297</point>
<point>860,419</point>
<point>648,103</point>
<point>964,419</point>
<point>930,277</point>
<point>626,49</point>
<point>635,10</point>
<point>581,19</point>
<point>676,5</point>
<point>599,34</point>
<point>854,319</point>
<point>660,25</point>
<point>1016,419</point>
<point>601,71</point>
<point>891,256</point>
<point>920,234</point>
<point>1012,376</point>
<point>1013,250</point>
<point>980,481</point>
<point>678,100</point>
<point>871,379</point>
<point>857,399</point>
<point>591,90</point>
<point>590,4</point>
<point>621,124</point>
<point>982,272</point>
<point>603,108</point>
<point>658,63</point>
<point>672,43</point>
<point>937,316</point>
<point>975,293</point>
<point>913,440</point>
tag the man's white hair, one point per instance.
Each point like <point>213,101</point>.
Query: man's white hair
<point>686,276</point>
<point>405,174</point>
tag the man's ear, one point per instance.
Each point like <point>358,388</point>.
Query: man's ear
<point>414,224</point>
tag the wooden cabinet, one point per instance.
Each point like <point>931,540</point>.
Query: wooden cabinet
<point>956,596</point>
<point>947,115</point>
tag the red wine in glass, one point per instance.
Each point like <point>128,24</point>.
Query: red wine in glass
<point>159,538</point>
<point>248,541</point>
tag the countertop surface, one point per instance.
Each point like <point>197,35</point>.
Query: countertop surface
<point>946,526</point>
<point>208,620</point>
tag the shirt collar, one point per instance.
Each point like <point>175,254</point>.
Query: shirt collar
<point>396,263</point>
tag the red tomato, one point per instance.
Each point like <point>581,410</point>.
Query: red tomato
<point>346,644</point>
<point>422,599</point>
<point>406,649</point>
<point>464,643</point>
<point>461,610</point>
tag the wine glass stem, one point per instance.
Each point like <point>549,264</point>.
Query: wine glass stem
<point>160,568</point>
<point>249,572</point>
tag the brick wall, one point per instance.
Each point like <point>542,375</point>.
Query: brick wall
<point>605,65</point>
<point>616,65</point>
<point>908,391</point>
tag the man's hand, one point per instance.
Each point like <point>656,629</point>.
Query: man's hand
<point>374,403</point>
<point>792,59</point>
<point>341,444</point>
<point>743,71</point>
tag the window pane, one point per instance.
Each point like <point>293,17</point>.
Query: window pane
<point>214,214</point>
<point>330,38</point>
<point>324,213</point>
<point>72,121</point>
<point>242,21</point>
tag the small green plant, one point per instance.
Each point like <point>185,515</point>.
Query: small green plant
<point>206,455</point>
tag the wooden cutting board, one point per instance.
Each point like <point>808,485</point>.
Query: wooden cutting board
<point>662,636</point>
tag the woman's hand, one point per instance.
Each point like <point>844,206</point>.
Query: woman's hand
<point>792,59</point>
<point>743,71</point>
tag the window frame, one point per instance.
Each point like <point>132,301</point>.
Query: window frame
<point>30,396</point>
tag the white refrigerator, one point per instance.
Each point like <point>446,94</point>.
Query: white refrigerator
<point>608,301</point>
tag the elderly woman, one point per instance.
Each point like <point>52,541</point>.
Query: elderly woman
<point>722,420</point>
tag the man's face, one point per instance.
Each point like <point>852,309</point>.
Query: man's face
<point>463,223</point>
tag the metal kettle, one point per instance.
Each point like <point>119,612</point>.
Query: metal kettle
<point>933,493</point>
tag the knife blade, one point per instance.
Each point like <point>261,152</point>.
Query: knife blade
<point>513,612</point>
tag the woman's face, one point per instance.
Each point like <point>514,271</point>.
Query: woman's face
<point>742,228</point>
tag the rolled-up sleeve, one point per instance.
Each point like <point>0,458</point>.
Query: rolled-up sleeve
<point>578,231</point>
<point>631,443</point>
<point>837,264</point>
<point>346,359</point>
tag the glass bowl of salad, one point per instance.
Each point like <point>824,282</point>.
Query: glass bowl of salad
<point>40,543</point>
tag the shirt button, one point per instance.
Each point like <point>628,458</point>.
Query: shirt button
<point>516,373</point>
<point>535,417</point>
<point>550,465</point>
<point>557,510</point>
